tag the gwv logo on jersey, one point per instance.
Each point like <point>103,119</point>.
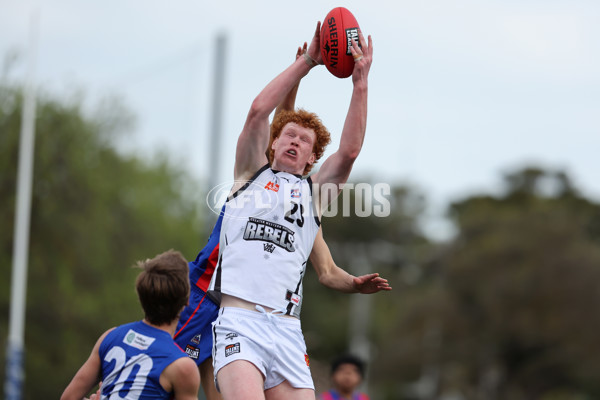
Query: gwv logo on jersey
<point>269,247</point>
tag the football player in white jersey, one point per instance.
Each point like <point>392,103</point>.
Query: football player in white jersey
<point>259,350</point>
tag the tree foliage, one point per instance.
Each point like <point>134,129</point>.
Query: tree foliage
<point>511,300</point>
<point>392,245</point>
<point>94,213</point>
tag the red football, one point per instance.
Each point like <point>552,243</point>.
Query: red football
<point>337,31</point>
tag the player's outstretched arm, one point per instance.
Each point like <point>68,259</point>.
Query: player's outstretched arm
<point>289,101</point>
<point>337,167</point>
<point>88,375</point>
<point>254,138</point>
<point>334,277</point>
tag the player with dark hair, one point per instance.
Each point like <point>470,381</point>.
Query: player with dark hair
<point>259,350</point>
<point>140,360</point>
<point>347,373</point>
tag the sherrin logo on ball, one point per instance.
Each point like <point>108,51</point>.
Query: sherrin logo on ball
<point>338,30</point>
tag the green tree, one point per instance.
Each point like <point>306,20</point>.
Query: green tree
<point>391,244</point>
<point>513,297</point>
<point>95,212</point>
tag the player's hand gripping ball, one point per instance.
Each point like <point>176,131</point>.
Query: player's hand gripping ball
<point>338,31</point>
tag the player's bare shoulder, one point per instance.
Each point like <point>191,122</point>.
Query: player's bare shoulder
<point>181,376</point>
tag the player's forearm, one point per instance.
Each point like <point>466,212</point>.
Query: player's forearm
<point>338,279</point>
<point>355,126</point>
<point>254,139</point>
<point>277,90</point>
<point>289,101</point>
<point>79,387</point>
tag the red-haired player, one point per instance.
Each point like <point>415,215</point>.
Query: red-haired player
<point>259,350</point>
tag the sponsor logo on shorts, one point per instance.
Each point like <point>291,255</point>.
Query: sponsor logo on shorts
<point>196,339</point>
<point>231,349</point>
<point>192,352</point>
<point>231,335</point>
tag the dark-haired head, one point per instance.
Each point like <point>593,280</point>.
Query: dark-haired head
<point>348,359</point>
<point>163,287</point>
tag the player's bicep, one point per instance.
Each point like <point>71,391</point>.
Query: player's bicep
<point>320,256</point>
<point>330,178</point>
<point>250,149</point>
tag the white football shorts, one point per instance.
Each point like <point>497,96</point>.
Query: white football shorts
<point>273,343</point>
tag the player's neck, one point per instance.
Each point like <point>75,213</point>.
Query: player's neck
<point>169,328</point>
<point>344,393</point>
<point>285,168</point>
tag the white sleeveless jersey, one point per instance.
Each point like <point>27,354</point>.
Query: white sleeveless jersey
<point>268,230</point>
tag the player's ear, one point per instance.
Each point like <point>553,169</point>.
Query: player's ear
<point>312,159</point>
<point>273,144</point>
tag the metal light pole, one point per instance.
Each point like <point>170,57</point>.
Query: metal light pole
<point>360,308</point>
<point>216,118</point>
<point>15,348</point>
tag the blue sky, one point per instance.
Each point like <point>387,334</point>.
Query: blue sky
<point>460,91</point>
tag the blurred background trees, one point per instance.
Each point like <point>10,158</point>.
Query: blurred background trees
<point>95,212</point>
<point>503,310</point>
<point>506,310</point>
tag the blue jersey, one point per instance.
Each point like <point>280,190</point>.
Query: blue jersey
<point>194,329</point>
<point>334,395</point>
<point>133,357</point>
<point>203,267</point>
